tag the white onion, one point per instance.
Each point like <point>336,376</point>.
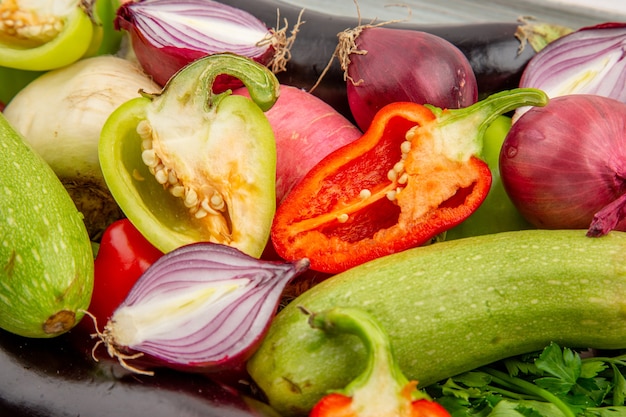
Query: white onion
<point>61,114</point>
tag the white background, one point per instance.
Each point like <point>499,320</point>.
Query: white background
<point>610,6</point>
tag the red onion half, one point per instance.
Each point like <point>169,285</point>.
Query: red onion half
<point>386,65</point>
<point>203,307</point>
<point>587,61</point>
<point>166,35</point>
<point>564,165</point>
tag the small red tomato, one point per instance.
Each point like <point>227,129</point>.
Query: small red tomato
<point>123,256</point>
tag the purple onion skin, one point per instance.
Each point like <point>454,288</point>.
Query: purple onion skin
<point>245,319</point>
<point>560,164</point>
<point>162,61</point>
<point>407,65</point>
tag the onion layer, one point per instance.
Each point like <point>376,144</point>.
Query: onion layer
<point>201,307</point>
<point>564,165</point>
<point>166,35</point>
<point>588,61</point>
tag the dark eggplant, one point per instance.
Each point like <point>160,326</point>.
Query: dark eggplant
<point>491,48</point>
<point>56,377</point>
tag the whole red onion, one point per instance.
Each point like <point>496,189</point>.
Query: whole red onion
<point>387,65</point>
<point>564,165</point>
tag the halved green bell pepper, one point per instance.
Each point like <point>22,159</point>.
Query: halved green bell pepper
<point>188,165</point>
<point>87,30</point>
<point>29,45</point>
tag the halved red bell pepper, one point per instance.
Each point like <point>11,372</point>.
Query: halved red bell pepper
<point>414,174</point>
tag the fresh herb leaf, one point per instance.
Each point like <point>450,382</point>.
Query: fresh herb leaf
<point>553,382</point>
<point>619,386</point>
<point>524,365</point>
<point>591,369</point>
<point>605,412</point>
<point>564,366</point>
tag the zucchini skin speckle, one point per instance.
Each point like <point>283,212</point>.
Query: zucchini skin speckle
<point>451,307</point>
<point>46,260</point>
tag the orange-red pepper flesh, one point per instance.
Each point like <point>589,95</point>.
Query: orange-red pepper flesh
<point>339,405</point>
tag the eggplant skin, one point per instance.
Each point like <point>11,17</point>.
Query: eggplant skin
<point>491,49</point>
<point>54,378</point>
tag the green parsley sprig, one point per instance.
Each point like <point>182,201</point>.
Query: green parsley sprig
<point>554,382</point>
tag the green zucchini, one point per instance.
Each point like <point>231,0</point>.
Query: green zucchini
<point>46,260</point>
<point>451,307</point>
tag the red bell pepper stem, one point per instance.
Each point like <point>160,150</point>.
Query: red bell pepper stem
<point>381,390</point>
<point>414,174</point>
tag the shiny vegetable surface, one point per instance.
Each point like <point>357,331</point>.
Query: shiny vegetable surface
<point>104,40</point>
<point>188,165</point>
<point>450,307</point>
<point>166,35</point>
<point>587,61</point>
<point>306,129</point>
<point>46,260</point>
<point>61,114</point>
<point>58,378</point>
<point>414,174</point>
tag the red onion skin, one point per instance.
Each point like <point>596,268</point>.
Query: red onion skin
<point>407,65</point>
<point>562,163</point>
<point>306,129</point>
<point>161,63</point>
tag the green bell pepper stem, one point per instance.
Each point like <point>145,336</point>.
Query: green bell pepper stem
<point>259,80</point>
<point>69,46</point>
<point>381,367</point>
